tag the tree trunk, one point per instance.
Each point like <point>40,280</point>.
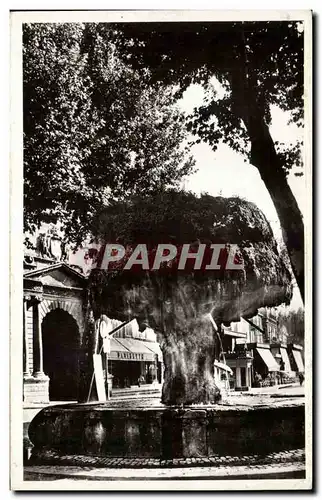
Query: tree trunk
<point>189,367</point>
<point>291,223</point>
<point>250,108</point>
<point>264,157</point>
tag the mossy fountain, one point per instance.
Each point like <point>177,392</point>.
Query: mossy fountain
<point>190,421</point>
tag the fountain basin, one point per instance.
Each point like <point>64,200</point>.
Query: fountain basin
<point>99,430</point>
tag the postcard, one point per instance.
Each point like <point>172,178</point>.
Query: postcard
<point>161,250</point>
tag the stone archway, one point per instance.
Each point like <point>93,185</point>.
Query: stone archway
<point>71,306</point>
<point>61,340</point>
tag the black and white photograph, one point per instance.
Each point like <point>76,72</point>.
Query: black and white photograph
<point>161,250</point>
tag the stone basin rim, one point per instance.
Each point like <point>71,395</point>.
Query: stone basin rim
<point>167,432</point>
<point>103,406</point>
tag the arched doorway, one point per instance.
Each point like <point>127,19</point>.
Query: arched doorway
<point>60,354</point>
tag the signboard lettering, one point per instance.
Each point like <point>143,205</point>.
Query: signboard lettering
<point>130,355</point>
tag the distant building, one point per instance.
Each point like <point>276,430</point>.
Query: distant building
<point>258,352</point>
<point>238,359</point>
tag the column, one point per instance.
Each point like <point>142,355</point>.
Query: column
<point>155,370</point>
<point>238,376</point>
<point>37,339</point>
<point>162,372</point>
<point>142,372</point>
<point>249,376</point>
<point>26,372</point>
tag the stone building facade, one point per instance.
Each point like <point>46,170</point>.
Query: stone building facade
<point>257,349</point>
<point>53,307</point>
<point>54,311</point>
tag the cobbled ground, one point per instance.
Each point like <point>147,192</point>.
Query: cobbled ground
<point>52,458</point>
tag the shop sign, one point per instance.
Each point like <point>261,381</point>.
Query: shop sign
<point>134,356</point>
<point>130,356</point>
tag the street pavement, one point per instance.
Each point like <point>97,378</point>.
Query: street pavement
<point>253,397</point>
<point>294,389</point>
<point>260,395</point>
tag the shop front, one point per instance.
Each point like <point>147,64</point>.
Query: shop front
<point>132,363</point>
<point>241,363</point>
<point>266,368</point>
<point>295,355</point>
<point>238,358</point>
<point>281,356</point>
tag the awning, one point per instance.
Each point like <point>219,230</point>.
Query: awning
<point>117,350</point>
<point>286,360</point>
<point>155,348</point>
<point>128,328</point>
<point>268,359</point>
<point>127,349</point>
<point>223,367</point>
<point>237,335</point>
<point>298,361</point>
<point>116,346</point>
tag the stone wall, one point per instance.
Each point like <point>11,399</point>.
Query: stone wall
<point>97,430</point>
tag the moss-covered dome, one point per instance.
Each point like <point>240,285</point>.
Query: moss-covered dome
<point>181,217</point>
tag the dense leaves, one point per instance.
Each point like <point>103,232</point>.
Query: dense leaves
<point>294,323</point>
<point>257,65</point>
<point>94,130</point>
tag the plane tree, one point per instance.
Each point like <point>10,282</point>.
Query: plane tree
<point>93,129</point>
<point>257,65</point>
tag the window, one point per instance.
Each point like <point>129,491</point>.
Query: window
<point>269,331</point>
<point>243,376</point>
<point>259,337</point>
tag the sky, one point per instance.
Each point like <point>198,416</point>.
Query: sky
<point>224,172</point>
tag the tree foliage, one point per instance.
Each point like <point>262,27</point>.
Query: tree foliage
<point>94,130</point>
<point>294,322</point>
<point>257,65</point>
